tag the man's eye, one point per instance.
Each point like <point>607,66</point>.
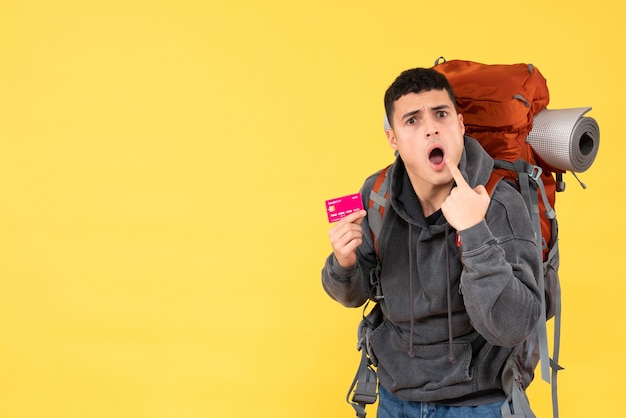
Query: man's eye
<point>411,121</point>
<point>442,114</point>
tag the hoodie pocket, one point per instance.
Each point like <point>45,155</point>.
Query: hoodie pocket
<point>429,373</point>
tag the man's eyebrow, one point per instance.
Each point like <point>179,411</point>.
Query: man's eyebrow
<point>440,107</point>
<point>434,108</point>
<point>409,114</point>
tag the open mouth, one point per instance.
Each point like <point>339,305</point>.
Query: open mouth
<point>436,156</point>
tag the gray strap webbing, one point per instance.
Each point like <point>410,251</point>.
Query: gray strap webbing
<point>542,331</point>
<point>378,196</point>
<point>555,350</point>
<point>365,382</point>
<point>554,362</point>
<point>517,400</point>
<point>550,213</point>
<point>379,200</point>
<point>374,219</point>
<point>542,324</point>
<point>364,385</point>
<point>522,99</point>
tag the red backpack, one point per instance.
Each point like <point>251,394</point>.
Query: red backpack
<point>498,104</point>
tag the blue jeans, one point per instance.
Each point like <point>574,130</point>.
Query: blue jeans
<point>391,407</point>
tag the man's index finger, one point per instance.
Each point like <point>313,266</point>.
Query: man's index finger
<point>456,174</point>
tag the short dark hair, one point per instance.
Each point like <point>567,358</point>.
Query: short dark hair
<point>415,80</point>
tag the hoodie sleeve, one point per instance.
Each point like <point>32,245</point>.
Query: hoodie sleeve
<point>501,263</point>
<point>345,285</point>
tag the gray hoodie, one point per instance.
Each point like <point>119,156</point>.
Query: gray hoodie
<point>452,315</point>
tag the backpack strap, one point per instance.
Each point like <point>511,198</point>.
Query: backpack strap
<point>529,180</point>
<point>377,202</point>
<point>516,404</point>
<point>364,388</point>
<point>364,385</point>
<point>554,363</point>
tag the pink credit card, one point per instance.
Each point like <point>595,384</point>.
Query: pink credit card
<point>341,207</point>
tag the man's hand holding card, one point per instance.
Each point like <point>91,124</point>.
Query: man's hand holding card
<point>346,235</point>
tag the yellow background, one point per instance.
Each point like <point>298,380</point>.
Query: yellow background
<point>163,171</point>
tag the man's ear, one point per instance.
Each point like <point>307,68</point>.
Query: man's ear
<point>462,124</point>
<point>391,138</point>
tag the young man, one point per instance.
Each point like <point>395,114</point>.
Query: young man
<point>456,267</point>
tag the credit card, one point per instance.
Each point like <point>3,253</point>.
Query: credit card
<point>341,207</point>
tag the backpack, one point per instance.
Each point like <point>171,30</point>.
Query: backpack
<point>498,103</point>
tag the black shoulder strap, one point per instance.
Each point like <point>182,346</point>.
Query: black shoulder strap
<point>365,383</point>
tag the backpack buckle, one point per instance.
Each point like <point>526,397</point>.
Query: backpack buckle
<point>365,391</point>
<point>534,172</point>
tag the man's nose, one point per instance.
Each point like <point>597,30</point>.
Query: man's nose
<point>430,127</point>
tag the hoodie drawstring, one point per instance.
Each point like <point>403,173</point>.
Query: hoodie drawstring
<point>451,357</point>
<point>411,353</point>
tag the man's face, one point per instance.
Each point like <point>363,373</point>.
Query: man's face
<point>426,131</point>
